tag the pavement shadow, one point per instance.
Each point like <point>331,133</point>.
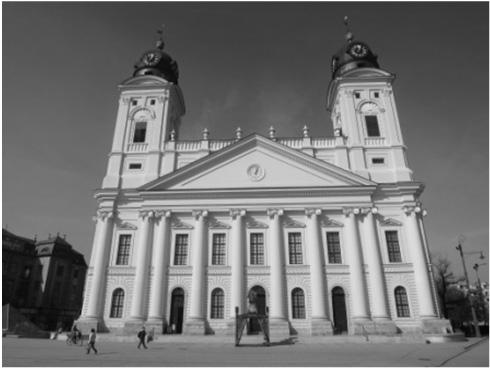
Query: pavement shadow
<point>288,341</point>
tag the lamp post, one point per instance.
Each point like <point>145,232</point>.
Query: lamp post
<point>473,313</point>
<point>475,267</point>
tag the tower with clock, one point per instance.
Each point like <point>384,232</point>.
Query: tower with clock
<point>327,233</point>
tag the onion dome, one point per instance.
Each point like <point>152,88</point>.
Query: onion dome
<point>354,54</point>
<point>157,62</point>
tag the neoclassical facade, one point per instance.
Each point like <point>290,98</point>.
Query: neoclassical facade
<point>328,231</point>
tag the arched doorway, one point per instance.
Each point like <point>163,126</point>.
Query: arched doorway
<point>339,311</point>
<point>177,310</point>
<point>253,324</point>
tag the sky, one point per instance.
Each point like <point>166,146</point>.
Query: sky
<point>241,64</point>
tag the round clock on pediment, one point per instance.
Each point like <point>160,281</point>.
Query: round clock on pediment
<point>358,50</point>
<point>255,172</point>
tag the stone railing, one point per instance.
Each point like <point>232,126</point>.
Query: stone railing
<point>137,147</point>
<point>374,141</point>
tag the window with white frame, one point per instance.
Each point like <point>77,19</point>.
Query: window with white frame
<point>393,246</point>
<point>117,303</point>
<point>333,247</point>
<point>218,256</point>
<point>295,248</point>
<point>218,304</point>
<point>181,249</point>
<point>256,248</point>
<point>401,301</point>
<point>298,303</point>
<point>123,250</point>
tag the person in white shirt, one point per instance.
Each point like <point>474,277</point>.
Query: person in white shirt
<point>91,341</point>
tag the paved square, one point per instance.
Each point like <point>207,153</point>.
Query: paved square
<point>38,352</point>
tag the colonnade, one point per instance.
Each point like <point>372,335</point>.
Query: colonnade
<point>358,223</point>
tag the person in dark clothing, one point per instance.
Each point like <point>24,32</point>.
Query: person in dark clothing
<point>141,337</point>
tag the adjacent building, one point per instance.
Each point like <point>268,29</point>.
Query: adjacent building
<point>327,231</point>
<point>44,279</point>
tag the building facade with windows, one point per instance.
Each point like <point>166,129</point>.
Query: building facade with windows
<point>326,231</point>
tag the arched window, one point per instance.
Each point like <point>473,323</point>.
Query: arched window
<point>298,302</point>
<point>139,132</point>
<point>217,304</point>
<point>401,300</point>
<point>117,303</point>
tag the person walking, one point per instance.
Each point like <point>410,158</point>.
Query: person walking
<point>91,341</point>
<point>141,337</point>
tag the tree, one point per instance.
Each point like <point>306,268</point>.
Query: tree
<point>443,279</point>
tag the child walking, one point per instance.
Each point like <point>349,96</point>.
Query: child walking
<point>91,341</point>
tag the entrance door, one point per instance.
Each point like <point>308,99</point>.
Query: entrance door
<point>253,324</point>
<point>339,312</point>
<point>177,310</point>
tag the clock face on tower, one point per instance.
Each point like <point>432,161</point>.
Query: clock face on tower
<point>151,58</point>
<point>358,50</point>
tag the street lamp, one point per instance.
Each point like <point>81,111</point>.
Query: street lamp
<point>480,290</point>
<point>473,313</point>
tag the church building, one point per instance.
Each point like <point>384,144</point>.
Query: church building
<point>327,232</point>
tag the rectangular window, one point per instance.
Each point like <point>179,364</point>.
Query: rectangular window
<point>134,102</point>
<point>123,250</point>
<point>372,126</point>
<point>333,247</point>
<point>376,94</point>
<point>394,254</point>
<point>152,101</point>
<point>134,166</point>
<point>378,160</point>
<point>357,95</point>
<point>295,251</point>
<point>139,132</point>
<point>256,248</point>
<point>181,241</point>
<point>219,251</point>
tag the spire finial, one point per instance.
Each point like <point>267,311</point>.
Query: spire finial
<point>348,35</point>
<point>160,42</point>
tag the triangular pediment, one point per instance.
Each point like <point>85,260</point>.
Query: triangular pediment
<point>256,162</point>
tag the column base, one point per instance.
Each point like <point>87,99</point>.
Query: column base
<point>133,325</point>
<point>278,329</point>
<point>378,326</point>
<point>436,326</point>
<point>159,324</point>
<point>195,327</point>
<point>85,324</point>
<point>321,327</point>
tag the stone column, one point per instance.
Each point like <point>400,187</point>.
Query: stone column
<point>278,323</point>
<point>101,251</point>
<point>156,314</point>
<point>320,324</point>
<point>358,293</point>
<point>419,261</point>
<point>238,258</point>
<point>195,324</point>
<point>141,278</point>
<point>379,306</point>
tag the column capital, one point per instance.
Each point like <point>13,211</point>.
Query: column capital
<point>271,212</point>
<point>199,214</point>
<point>347,211</point>
<point>104,214</point>
<point>236,212</point>
<point>313,211</point>
<point>146,214</point>
<point>163,213</point>
<point>412,210</point>
<point>366,210</point>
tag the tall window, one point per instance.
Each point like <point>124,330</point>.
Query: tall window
<point>394,254</point>
<point>123,249</point>
<point>372,125</point>
<point>333,247</point>
<point>181,241</point>
<point>117,303</point>
<point>218,304</point>
<point>295,253</point>
<point>298,303</point>
<point>139,132</point>
<point>257,248</point>
<point>219,251</point>
<point>401,300</point>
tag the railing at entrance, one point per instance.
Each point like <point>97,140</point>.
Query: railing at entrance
<point>241,321</point>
